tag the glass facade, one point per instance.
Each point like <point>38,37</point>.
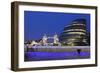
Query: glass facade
<point>75,34</point>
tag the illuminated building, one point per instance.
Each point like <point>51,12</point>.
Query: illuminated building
<point>75,34</point>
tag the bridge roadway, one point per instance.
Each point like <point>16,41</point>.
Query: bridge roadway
<point>59,48</point>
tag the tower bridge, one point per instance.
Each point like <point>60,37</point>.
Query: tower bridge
<point>55,40</point>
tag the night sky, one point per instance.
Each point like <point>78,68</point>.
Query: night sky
<point>36,23</point>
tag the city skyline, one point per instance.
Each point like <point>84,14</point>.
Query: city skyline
<point>39,23</point>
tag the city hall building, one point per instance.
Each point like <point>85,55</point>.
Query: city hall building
<point>75,34</point>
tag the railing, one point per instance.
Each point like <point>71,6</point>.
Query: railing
<point>59,48</point>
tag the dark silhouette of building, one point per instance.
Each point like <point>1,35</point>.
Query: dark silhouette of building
<point>75,34</point>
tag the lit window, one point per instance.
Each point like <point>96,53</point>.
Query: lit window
<point>79,24</point>
<point>76,33</point>
<point>75,30</point>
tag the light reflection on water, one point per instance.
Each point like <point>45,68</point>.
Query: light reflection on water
<point>38,56</point>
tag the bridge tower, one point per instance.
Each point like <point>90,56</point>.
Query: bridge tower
<point>56,40</point>
<point>44,39</point>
